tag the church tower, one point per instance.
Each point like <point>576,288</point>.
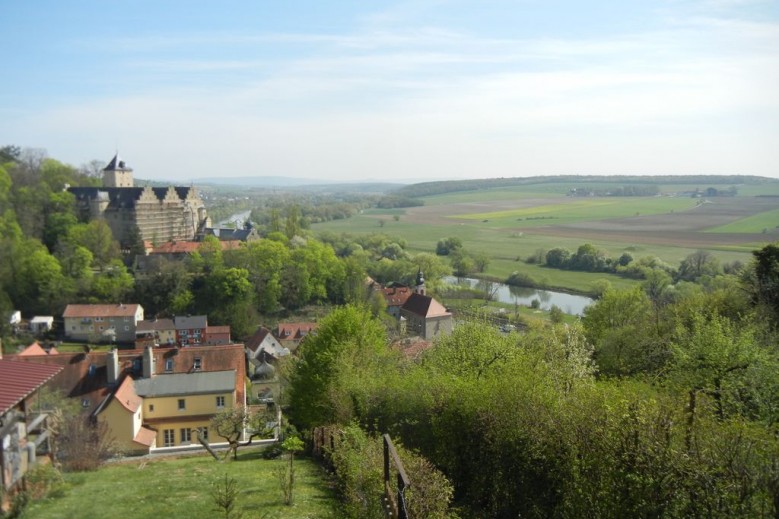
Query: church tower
<point>419,287</point>
<point>117,174</point>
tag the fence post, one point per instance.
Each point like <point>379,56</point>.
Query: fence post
<point>397,501</point>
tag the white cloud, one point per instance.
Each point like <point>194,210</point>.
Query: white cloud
<point>696,96</point>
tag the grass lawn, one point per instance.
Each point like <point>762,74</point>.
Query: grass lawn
<point>182,488</point>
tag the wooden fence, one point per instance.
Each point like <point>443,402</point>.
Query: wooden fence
<point>327,438</point>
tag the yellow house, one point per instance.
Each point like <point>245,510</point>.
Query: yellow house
<point>124,420</point>
<point>176,405</point>
<point>166,410</point>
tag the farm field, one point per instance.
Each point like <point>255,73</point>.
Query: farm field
<point>182,488</point>
<point>510,224</point>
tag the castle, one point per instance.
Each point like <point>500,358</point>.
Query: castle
<point>160,214</point>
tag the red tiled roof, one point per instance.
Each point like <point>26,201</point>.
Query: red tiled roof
<point>100,310</point>
<point>396,296</point>
<point>127,396</point>
<point>145,436</point>
<point>188,247</point>
<point>83,376</point>
<point>287,331</point>
<point>218,329</point>
<point>255,340</point>
<point>221,357</point>
<point>414,349</point>
<point>19,379</point>
<point>424,306</point>
<point>35,349</point>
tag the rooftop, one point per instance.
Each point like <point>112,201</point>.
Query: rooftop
<point>101,310</point>
<point>19,379</point>
<point>197,383</point>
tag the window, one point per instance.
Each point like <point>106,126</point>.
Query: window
<point>151,408</point>
<point>168,364</point>
<point>198,364</point>
<point>170,437</point>
<point>220,402</point>
<point>182,404</point>
<point>203,433</point>
<point>186,436</point>
<point>99,319</point>
<point>127,328</point>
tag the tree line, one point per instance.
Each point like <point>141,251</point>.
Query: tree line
<point>651,406</point>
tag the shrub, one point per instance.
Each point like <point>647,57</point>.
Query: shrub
<point>556,315</point>
<point>358,460</point>
<point>520,279</point>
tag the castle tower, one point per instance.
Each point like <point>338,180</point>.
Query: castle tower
<point>117,174</point>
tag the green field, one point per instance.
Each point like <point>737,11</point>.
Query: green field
<point>580,210</point>
<point>511,223</point>
<point>768,220</point>
<point>181,488</point>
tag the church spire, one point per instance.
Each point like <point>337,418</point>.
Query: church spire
<point>420,283</point>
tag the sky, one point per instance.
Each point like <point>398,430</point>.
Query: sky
<point>395,91</point>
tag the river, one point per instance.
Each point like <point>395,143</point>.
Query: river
<point>568,303</point>
<point>237,219</point>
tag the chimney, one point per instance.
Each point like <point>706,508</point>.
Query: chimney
<point>148,362</point>
<point>112,365</point>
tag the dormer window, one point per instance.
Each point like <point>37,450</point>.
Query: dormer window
<point>198,364</point>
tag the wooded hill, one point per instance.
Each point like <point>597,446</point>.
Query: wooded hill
<point>449,186</point>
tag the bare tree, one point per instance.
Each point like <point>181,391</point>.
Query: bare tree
<point>233,424</point>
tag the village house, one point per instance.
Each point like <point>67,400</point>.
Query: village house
<point>263,341</point>
<point>190,329</point>
<point>23,432</point>
<point>155,332</point>
<point>290,334</point>
<point>395,295</point>
<point>41,324</point>
<point>181,331</point>
<point>162,397</point>
<point>245,234</point>
<point>108,322</point>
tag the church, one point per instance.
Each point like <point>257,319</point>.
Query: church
<point>160,214</point>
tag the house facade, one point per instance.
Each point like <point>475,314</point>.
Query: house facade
<point>101,322</point>
<point>41,324</point>
<point>190,329</point>
<point>155,332</point>
<point>263,340</point>
<point>177,405</point>
<point>162,397</point>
